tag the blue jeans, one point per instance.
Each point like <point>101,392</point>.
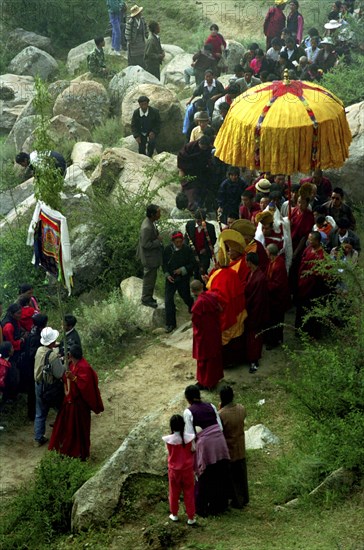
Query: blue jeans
<point>116,32</point>
<point>41,413</point>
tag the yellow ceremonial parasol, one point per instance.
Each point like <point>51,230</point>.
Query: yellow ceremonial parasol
<point>284,127</point>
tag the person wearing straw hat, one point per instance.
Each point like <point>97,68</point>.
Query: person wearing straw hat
<point>327,57</point>
<point>275,21</point>
<point>136,34</point>
<point>48,351</point>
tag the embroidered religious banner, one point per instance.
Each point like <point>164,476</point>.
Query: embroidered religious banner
<point>48,234</point>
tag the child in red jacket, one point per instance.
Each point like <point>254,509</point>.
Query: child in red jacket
<point>180,469</point>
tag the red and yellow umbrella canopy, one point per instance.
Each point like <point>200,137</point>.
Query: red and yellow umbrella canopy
<point>284,127</point>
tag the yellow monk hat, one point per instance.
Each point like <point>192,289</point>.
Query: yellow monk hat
<point>280,2</point>
<point>264,218</point>
<point>234,240</point>
<point>244,227</point>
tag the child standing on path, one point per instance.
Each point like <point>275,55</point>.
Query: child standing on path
<point>180,469</point>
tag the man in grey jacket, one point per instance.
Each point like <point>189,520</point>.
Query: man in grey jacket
<point>150,251</point>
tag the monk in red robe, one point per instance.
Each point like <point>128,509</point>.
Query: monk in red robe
<point>279,296</point>
<point>302,222</point>
<point>311,285</point>
<point>256,294</point>
<point>247,230</point>
<point>207,344</point>
<point>71,432</point>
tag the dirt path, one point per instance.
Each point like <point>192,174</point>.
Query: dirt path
<point>148,383</point>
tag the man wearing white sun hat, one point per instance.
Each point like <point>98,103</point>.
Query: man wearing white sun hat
<point>47,352</point>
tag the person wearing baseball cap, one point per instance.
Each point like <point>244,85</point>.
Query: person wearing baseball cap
<point>178,266</point>
<point>136,34</point>
<point>48,351</point>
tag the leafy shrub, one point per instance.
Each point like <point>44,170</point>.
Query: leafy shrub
<point>103,324</point>
<point>109,133</point>
<point>347,81</point>
<point>42,509</point>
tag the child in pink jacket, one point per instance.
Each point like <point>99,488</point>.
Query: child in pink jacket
<point>180,469</point>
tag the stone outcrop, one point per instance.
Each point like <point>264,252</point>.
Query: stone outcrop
<point>22,86</point>
<point>87,102</point>
<point>19,39</point>
<point>257,437</point>
<point>236,52</point>
<point>125,81</point>
<point>171,51</point>
<point>15,93</point>
<point>170,138</point>
<point>172,73</point>
<point>10,200</point>
<point>351,176</point>
<point>148,318</point>
<point>21,130</point>
<point>84,153</point>
<point>142,451</point>
<point>87,256</point>
<point>34,62</point>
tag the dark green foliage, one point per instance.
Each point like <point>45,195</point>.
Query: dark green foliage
<point>347,81</point>
<point>67,23</point>
<point>42,509</point>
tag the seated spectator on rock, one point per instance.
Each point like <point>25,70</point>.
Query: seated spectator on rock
<point>342,232</point>
<point>327,57</point>
<point>248,208</point>
<point>249,81</point>
<point>307,41</point>
<point>230,192</point>
<point>189,122</point>
<point>96,60</point>
<point>202,120</point>
<point>338,209</point>
<point>180,211</point>
<point>249,55</point>
<point>218,121</point>
<point>273,52</point>
<point>27,312</point>
<point>260,63</point>
<point>323,184</point>
<point>312,73</point>
<point>302,65</point>
<point>201,61</point>
<point>313,50</point>
<point>36,160</point>
<point>210,89</point>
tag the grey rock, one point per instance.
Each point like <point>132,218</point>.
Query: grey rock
<point>87,254</point>
<point>84,152</point>
<point>22,86</point>
<point>236,52</point>
<point>66,128</point>
<point>129,142</point>
<point>21,130</point>
<point>76,180</point>
<point>87,102</point>
<point>257,437</point>
<point>170,137</point>
<point>148,317</point>
<point>34,62</point>
<point>27,110</point>
<point>171,51</point>
<point>11,199</point>
<point>173,72</point>
<point>19,39</point>
<point>126,80</point>
<point>9,115</point>
<point>57,87</point>
<point>142,452</point>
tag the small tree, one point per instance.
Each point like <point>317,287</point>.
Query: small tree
<point>48,181</point>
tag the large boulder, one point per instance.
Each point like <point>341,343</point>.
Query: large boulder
<point>121,170</point>
<point>34,62</point>
<point>62,129</point>
<point>21,130</point>
<point>87,255</point>
<point>76,180</point>
<point>9,115</point>
<point>172,73</point>
<point>236,52</point>
<point>127,79</point>
<point>351,176</point>
<point>170,138</point>
<point>11,200</point>
<point>142,452</point>
<point>129,142</point>
<point>171,51</point>
<point>84,153</point>
<point>19,39</point>
<point>78,55</point>
<point>87,102</point>
<point>22,86</point>
<point>148,317</point>
<point>57,87</point>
